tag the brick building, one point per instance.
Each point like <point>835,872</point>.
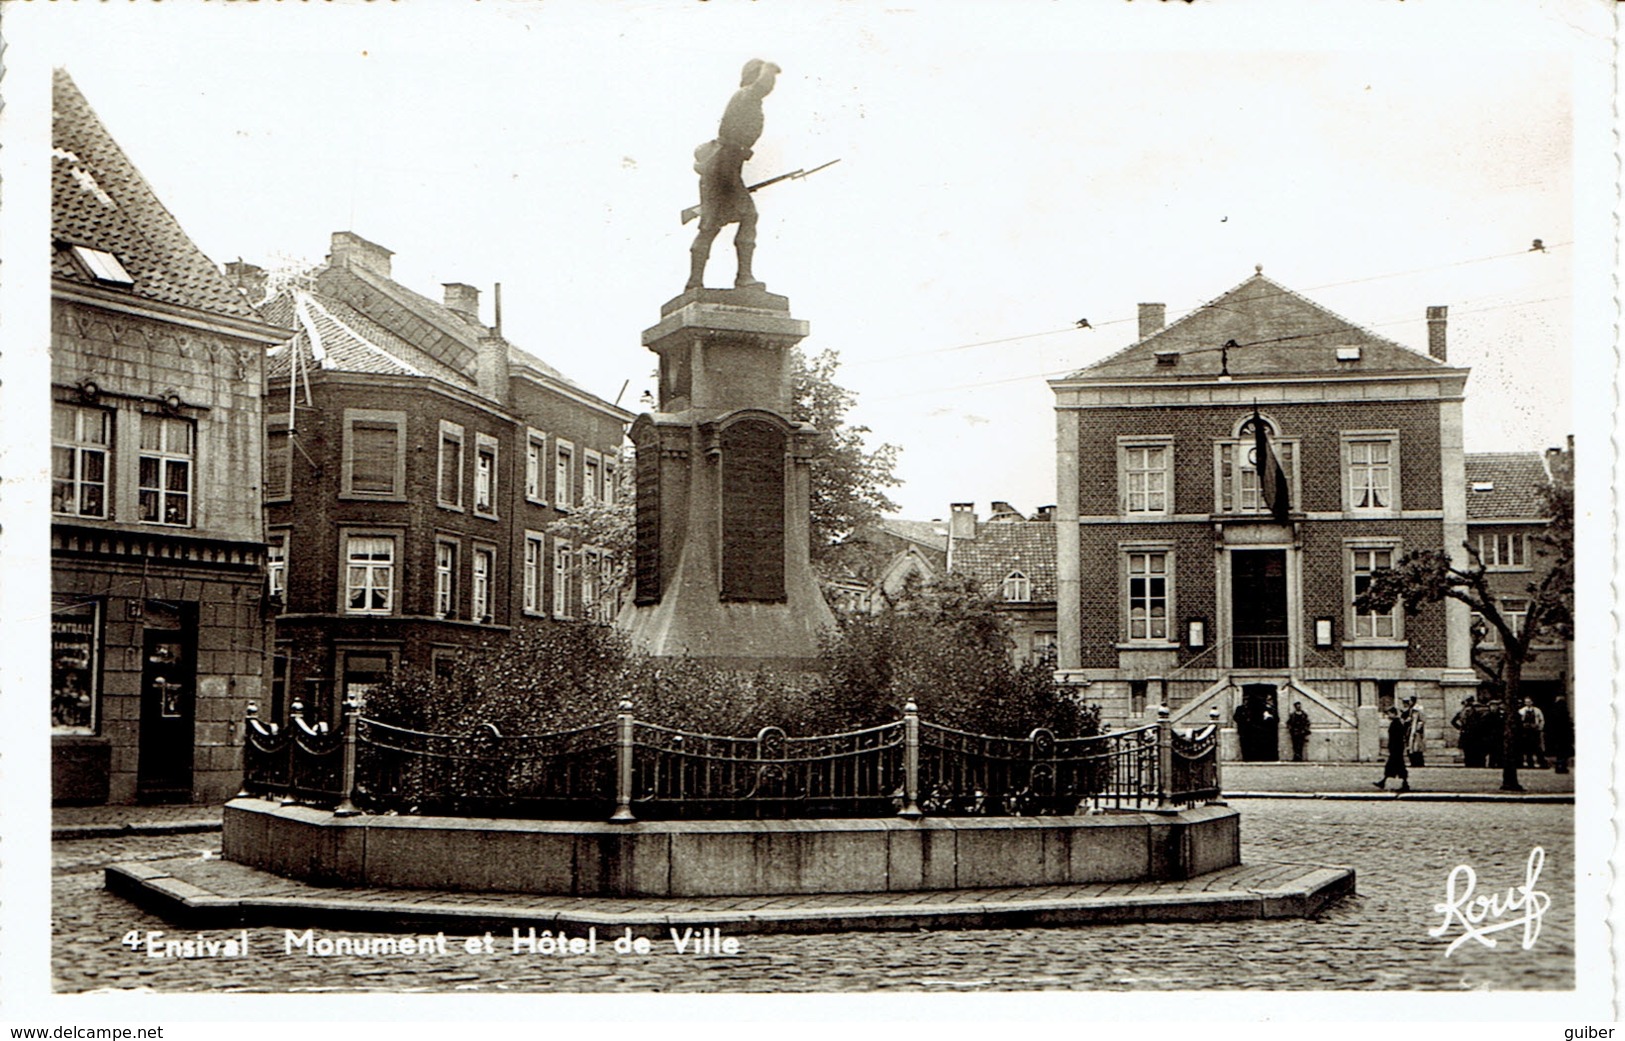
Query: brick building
<point>1178,583</point>
<point>1506,515</point>
<point>1012,560</point>
<point>416,459</point>
<point>157,539</point>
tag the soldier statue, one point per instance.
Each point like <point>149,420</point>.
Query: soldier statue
<point>724,198</point>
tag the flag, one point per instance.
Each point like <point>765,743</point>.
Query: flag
<point>1272,484</point>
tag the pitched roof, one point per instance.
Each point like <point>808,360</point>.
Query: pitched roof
<point>931,534</point>
<point>331,335</point>
<point>1001,547</point>
<point>1514,480</point>
<point>1278,332</point>
<point>100,200</point>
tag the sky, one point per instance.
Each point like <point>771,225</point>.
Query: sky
<point>1004,171</point>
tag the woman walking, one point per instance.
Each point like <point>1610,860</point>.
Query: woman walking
<point>1398,732</point>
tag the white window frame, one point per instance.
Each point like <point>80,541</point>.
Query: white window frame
<point>1349,440</point>
<point>374,417</point>
<point>1352,549</point>
<point>1129,474</point>
<point>1129,552</point>
<point>482,587</point>
<point>277,541</point>
<point>536,466</point>
<point>446,552</point>
<point>609,481</point>
<point>1517,546</point>
<point>590,579</point>
<point>165,457</point>
<point>562,552</point>
<point>592,475</point>
<point>81,447</point>
<point>563,473</point>
<point>1017,588</point>
<point>449,431</point>
<point>390,569</point>
<point>1234,451</point>
<point>535,561</point>
<point>485,447</point>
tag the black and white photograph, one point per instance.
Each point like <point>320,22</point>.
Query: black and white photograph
<point>1040,511</point>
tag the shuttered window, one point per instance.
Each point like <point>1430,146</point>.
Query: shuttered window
<point>374,464</point>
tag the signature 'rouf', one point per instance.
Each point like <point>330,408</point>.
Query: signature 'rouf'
<point>1478,916</point>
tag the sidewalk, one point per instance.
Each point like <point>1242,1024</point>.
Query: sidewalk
<point>100,822</point>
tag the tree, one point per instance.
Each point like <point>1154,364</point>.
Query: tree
<point>849,480</point>
<point>1430,576</point>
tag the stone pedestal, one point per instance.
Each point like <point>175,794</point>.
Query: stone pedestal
<point>722,570</point>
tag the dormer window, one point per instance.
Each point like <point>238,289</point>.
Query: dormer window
<point>1348,354</point>
<point>103,266</point>
<point>1018,588</point>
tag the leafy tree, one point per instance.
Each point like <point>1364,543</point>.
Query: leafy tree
<point>1430,576</point>
<point>849,480</point>
<point>604,525</point>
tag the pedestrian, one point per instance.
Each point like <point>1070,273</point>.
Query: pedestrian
<point>1415,732</point>
<point>1398,732</point>
<point>1560,733</point>
<point>1492,724</point>
<point>1469,738</point>
<point>1297,727</point>
<point>1532,726</point>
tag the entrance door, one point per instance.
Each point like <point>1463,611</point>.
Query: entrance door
<point>1258,723</point>
<point>168,680</point>
<point>1258,609</point>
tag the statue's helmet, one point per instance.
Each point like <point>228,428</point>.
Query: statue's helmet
<point>752,69</point>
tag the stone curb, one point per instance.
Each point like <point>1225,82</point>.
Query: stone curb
<point>191,906</point>
<point>1556,798</point>
<point>113,831</point>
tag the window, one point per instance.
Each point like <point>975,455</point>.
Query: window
<point>480,600</point>
<point>563,486</point>
<point>1018,588</point>
<point>1515,613</point>
<point>609,483</point>
<point>165,495</point>
<point>75,649</point>
<point>103,266</point>
<point>1145,476</point>
<point>589,583</point>
<point>450,481</point>
<point>561,580</point>
<point>609,598</point>
<point>535,466</point>
<point>1148,596</point>
<point>591,476</point>
<point>1371,470</point>
<point>1504,551</point>
<point>374,464</point>
<point>1372,625</point>
<point>1236,475</point>
<point>79,444</point>
<point>445,579</point>
<point>1137,691</point>
<point>278,463</point>
<point>363,672</point>
<point>276,564</point>
<point>369,582</point>
<point>535,560</point>
<point>485,476</point>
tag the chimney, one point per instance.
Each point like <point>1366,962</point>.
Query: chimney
<point>1003,511</point>
<point>250,278</point>
<point>1436,321</point>
<point>1152,318</point>
<point>1045,514</point>
<point>353,250</point>
<point>962,521</point>
<point>464,299</point>
<point>491,369</point>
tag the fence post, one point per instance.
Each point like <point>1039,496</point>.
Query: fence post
<point>249,713</point>
<point>1165,756</point>
<point>623,764</point>
<point>911,762</point>
<point>1213,719</point>
<point>352,714</point>
<point>296,719</point>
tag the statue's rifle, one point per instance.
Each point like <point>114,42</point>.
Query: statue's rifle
<point>694,211</point>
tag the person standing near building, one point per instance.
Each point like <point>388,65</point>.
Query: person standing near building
<point>1468,738</point>
<point>1398,733</point>
<point>1415,732</point>
<point>1560,734</point>
<point>1297,727</point>
<point>1531,728</point>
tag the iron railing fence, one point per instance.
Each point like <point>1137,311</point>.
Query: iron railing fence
<point>677,773</point>
<point>1259,652</point>
<point>625,769</point>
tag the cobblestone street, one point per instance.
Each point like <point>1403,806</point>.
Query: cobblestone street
<point>1402,851</point>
